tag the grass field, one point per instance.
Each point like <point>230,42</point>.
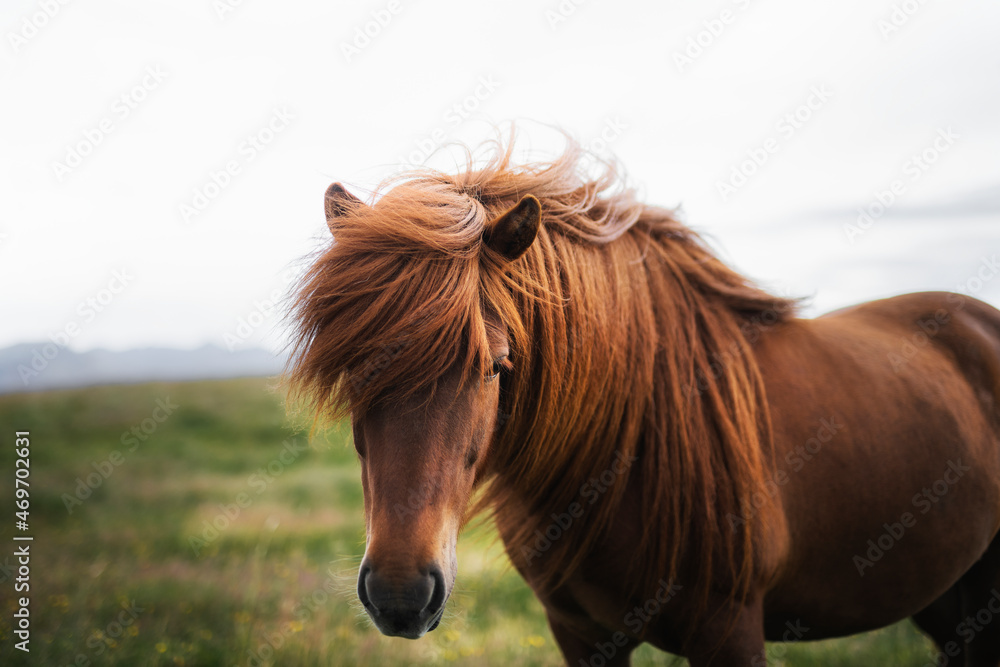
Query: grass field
<point>219,535</point>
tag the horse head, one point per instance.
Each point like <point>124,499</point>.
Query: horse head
<point>422,452</point>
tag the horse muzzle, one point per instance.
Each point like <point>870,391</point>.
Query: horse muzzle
<point>408,606</point>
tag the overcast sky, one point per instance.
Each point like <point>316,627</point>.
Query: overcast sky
<point>166,160</point>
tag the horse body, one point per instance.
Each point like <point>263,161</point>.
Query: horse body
<point>670,455</point>
<point>920,442</point>
<point>916,472</point>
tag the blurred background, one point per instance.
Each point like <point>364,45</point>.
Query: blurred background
<point>161,172</point>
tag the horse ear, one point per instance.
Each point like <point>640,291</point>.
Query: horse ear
<point>514,231</point>
<point>337,202</point>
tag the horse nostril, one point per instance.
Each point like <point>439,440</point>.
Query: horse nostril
<point>437,591</point>
<point>363,588</point>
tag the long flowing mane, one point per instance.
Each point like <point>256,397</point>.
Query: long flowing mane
<point>629,338</point>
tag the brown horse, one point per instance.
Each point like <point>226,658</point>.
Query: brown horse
<point>670,455</point>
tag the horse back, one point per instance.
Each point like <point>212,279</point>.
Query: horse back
<point>962,328</point>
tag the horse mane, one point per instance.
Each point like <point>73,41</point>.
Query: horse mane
<point>628,336</point>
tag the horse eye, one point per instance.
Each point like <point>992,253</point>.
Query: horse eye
<point>498,365</point>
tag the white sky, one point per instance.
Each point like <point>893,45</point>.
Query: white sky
<point>679,130</point>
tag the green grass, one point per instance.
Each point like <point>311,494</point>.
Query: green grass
<point>276,584</point>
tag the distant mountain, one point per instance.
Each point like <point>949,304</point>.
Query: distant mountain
<point>42,366</point>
